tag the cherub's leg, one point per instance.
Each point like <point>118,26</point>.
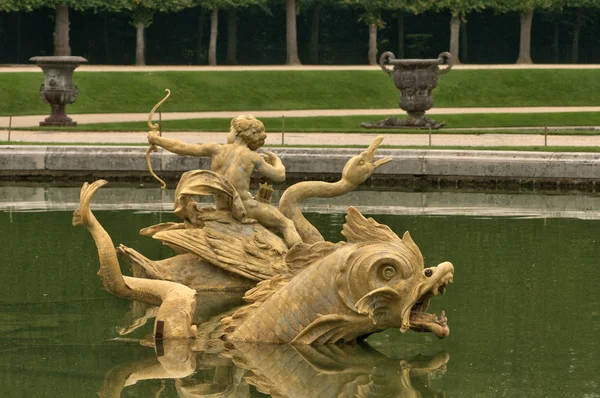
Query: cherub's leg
<point>290,235</point>
<point>270,217</point>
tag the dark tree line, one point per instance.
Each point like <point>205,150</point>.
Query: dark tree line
<point>299,31</point>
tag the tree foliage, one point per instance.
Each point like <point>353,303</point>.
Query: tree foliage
<point>30,5</point>
<point>228,4</point>
<point>157,5</point>
<point>371,14</point>
<point>522,6</point>
<point>459,8</point>
<point>15,5</point>
<point>579,3</point>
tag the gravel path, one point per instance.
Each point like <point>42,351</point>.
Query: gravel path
<point>30,121</point>
<point>475,140</point>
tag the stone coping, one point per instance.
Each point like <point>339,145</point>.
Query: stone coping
<point>312,161</point>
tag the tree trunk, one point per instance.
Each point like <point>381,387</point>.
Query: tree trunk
<point>400,36</point>
<point>290,34</point>
<point>556,42</point>
<point>525,42</point>
<point>372,44</point>
<point>200,33</point>
<point>140,43</point>
<point>106,40</point>
<point>455,39</point>
<point>464,47</point>
<point>18,31</point>
<point>314,35</point>
<point>214,30</point>
<point>576,32</point>
<point>232,37</point>
<point>61,31</point>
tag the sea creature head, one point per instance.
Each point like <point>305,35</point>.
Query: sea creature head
<point>249,129</point>
<point>361,166</point>
<point>385,278</point>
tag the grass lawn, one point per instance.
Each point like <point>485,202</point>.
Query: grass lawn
<point>352,123</point>
<point>110,92</point>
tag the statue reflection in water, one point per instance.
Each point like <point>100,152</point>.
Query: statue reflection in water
<point>213,368</point>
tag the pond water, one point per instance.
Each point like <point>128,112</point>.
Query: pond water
<point>524,308</point>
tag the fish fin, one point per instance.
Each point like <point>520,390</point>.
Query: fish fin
<point>412,246</point>
<point>141,266</point>
<point>302,255</point>
<point>377,303</point>
<point>265,289</point>
<point>328,329</point>
<point>77,221</point>
<point>360,229</point>
<point>154,229</point>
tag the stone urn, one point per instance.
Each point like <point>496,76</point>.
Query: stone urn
<point>58,89</point>
<point>416,79</point>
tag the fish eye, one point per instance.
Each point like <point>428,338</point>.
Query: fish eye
<point>388,272</point>
<point>428,272</point>
<point>361,162</point>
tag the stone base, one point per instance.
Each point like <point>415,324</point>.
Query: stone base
<point>58,124</point>
<point>408,123</point>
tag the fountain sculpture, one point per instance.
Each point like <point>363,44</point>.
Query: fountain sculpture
<point>416,79</point>
<point>58,89</point>
<point>300,289</point>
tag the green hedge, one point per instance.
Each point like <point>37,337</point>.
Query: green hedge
<point>110,92</point>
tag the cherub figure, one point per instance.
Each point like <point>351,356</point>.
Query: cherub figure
<point>234,162</point>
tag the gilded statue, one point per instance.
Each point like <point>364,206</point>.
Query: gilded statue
<point>300,289</point>
<point>232,166</point>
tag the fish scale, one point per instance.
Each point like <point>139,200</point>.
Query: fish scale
<point>301,301</point>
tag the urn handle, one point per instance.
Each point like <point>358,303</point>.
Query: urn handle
<point>384,60</point>
<point>445,58</point>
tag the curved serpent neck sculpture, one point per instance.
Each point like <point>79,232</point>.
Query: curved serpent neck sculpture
<point>357,170</point>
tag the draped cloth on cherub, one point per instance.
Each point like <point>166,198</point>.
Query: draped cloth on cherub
<point>206,182</point>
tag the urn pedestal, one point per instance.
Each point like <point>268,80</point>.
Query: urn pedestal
<point>58,89</point>
<point>416,79</point>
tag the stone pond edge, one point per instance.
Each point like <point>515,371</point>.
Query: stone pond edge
<point>409,166</point>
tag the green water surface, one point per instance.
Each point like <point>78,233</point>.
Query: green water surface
<point>524,308</point>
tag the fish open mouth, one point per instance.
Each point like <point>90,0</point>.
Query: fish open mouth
<point>423,321</point>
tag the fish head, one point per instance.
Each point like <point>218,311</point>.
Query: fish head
<point>385,278</point>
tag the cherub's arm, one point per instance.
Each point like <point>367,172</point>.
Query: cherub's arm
<point>270,166</point>
<point>181,148</point>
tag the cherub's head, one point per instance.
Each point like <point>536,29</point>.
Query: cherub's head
<point>249,129</point>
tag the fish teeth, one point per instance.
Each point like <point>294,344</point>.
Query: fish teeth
<point>443,316</point>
